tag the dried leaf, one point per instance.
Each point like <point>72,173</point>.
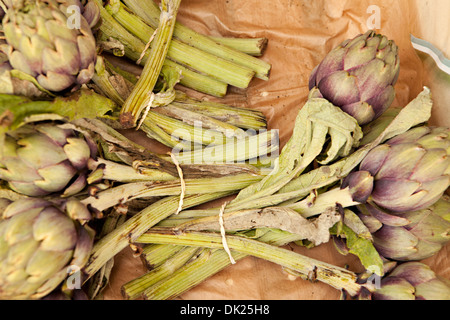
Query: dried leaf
<point>316,120</point>
<point>315,230</point>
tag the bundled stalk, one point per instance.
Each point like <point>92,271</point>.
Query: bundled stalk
<point>176,120</point>
<point>142,95</point>
<point>244,214</point>
<point>125,26</point>
<point>180,123</point>
<point>69,176</point>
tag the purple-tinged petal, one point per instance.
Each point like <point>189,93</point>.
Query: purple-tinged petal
<point>433,191</point>
<point>312,78</point>
<point>397,194</point>
<point>439,137</point>
<point>55,178</point>
<point>370,222</point>
<point>24,205</point>
<point>360,53</point>
<point>84,247</point>
<point>375,159</point>
<point>381,102</point>
<point>433,290</point>
<point>55,133</point>
<point>394,242</point>
<point>432,165</point>
<point>27,188</point>
<point>360,184</point>
<point>372,77</point>
<point>401,161</point>
<point>78,152</point>
<point>386,218</point>
<point>410,136</point>
<point>361,111</point>
<point>54,230</point>
<point>77,186</point>
<point>339,88</point>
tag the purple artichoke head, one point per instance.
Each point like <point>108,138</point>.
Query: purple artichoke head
<point>43,159</point>
<point>41,243</point>
<point>359,76</point>
<point>411,171</point>
<point>411,235</point>
<point>413,281</point>
<point>50,41</point>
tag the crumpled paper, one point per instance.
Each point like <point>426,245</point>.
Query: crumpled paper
<point>301,33</point>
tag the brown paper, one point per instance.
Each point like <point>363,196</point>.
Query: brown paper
<point>300,34</point>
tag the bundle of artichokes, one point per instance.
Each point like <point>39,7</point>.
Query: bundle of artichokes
<point>47,230</point>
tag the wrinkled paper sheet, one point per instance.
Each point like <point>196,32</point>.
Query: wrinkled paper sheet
<point>300,34</point>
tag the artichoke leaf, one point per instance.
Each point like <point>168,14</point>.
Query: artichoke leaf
<point>418,111</point>
<point>317,120</point>
<point>361,247</point>
<point>16,111</point>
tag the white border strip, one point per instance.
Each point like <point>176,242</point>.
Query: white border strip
<point>424,46</point>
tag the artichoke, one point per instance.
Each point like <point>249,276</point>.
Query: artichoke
<point>410,171</point>
<point>41,159</point>
<point>407,236</point>
<point>359,76</point>
<point>40,244</point>
<point>43,43</point>
<point>412,281</point>
<point>13,85</point>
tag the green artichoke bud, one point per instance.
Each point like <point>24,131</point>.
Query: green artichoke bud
<point>40,244</point>
<point>408,236</point>
<point>411,171</point>
<point>413,281</point>
<point>43,159</point>
<point>359,76</point>
<point>51,41</point>
<point>10,84</point>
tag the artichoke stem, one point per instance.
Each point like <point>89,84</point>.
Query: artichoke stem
<point>117,240</point>
<point>312,269</point>
<point>140,96</point>
<point>204,62</point>
<point>133,48</point>
<point>134,289</point>
<point>148,10</point>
